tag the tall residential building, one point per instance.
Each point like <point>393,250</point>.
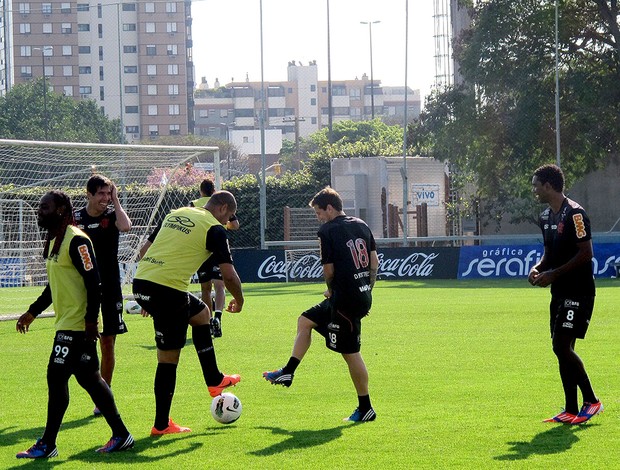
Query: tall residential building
<point>133,58</point>
<point>299,106</point>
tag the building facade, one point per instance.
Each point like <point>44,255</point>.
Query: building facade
<point>133,58</point>
<point>299,106</point>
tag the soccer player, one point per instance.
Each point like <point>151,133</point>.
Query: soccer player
<point>186,238</point>
<point>566,265</point>
<point>350,263</point>
<point>73,288</point>
<point>102,224</point>
<point>209,274</point>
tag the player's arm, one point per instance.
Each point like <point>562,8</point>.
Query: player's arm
<point>217,244</point>
<point>83,258</point>
<point>123,223</point>
<point>374,267</point>
<point>35,309</point>
<point>584,255</point>
<point>328,275</point>
<point>149,241</point>
<point>233,223</point>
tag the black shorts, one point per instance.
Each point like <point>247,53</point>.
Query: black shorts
<point>170,309</point>
<point>342,334</point>
<point>208,271</point>
<point>571,316</point>
<point>112,311</point>
<point>72,354</point>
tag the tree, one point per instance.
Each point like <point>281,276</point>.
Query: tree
<point>501,125</point>
<point>22,116</point>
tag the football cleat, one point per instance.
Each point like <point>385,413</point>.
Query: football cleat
<point>360,417</point>
<point>588,410</point>
<point>173,428</point>
<point>39,450</point>
<point>561,417</point>
<point>279,377</point>
<point>116,444</point>
<point>227,381</point>
<point>216,327</point>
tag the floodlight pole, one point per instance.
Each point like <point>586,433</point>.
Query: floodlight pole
<point>372,80</point>
<point>263,189</point>
<point>557,89</point>
<point>405,174</point>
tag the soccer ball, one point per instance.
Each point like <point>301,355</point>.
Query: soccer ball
<point>131,306</point>
<point>226,408</point>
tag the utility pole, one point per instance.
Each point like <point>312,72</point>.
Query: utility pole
<point>296,120</point>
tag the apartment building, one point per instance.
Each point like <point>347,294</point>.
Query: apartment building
<point>299,106</point>
<point>133,58</point>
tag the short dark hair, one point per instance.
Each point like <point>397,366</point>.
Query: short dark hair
<point>61,200</point>
<point>95,182</point>
<point>327,196</point>
<point>551,174</point>
<point>219,198</point>
<point>207,187</point>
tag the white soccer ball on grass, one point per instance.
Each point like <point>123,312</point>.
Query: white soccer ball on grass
<point>132,307</point>
<point>226,408</point>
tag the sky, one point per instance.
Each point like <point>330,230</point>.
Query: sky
<point>226,40</point>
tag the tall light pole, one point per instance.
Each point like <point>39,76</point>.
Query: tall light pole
<point>263,188</point>
<point>330,119</point>
<point>372,81</point>
<point>45,117</point>
<point>557,90</point>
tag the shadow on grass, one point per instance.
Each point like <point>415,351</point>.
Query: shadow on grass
<point>11,435</point>
<point>554,441</point>
<point>299,439</point>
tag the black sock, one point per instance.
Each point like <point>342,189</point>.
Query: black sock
<point>165,382</point>
<point>364,402</point>
<point>218,314</point>
<point>291,365</point>
<point>57,404</point>
<point>586,389</point>
<point>103,398</point>
<point>201,336</point>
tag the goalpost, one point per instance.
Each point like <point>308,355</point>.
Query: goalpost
<point>152,179</point>
<point>303,265</point>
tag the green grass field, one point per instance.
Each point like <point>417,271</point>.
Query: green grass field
<point>461,376</point>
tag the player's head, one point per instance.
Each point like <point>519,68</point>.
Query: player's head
<point>222,205</point>
<point>55,214</point>
<point>97,182</point>
<point>327,204</point>
<point>207,188</point>
<point>547,182</point>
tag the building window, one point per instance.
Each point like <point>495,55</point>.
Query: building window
<point>26,71</point>
<point>24,8</point>
<point>312,101</point>
<point>83,49</point>
<point>67,71</point>
<point>149,27</point>
<point>339,90</point>
<point>67,50</point>
<point>101,93</point>
<point>151,70</point>
<point>132,129</point>
<point>153,130</point>
<point>49,70</point>
<point>47,28</point>
<point>175,129</point>
<point>101,73</point>
<point>149,7</point>
<point>203,113</point>
<point>24,28</point>
<point>131,88</point>
<point>46,8</point>
<point>312,87</point>
<point>26,51</point>
<point>67,90</point>
<point>151,90</point>
<point>65,7</point>
<point>100,52</point>
<point>83,7</point>
<point>290,90</point>
<point>152,110</point>
<point>313,120</point>
<point>173,89</point>
<point>173,69</point>
<point>151,50</point>
<point>65,28</point>
<point>129,7</point>
<point>83,27</point>
<point>171,27</point>
<point>223,113</point>
<point>172,49</point>
<point>129,26</point>
<point>130,69</point>
<point>86,90</point>
<point>131,109</point>
<point>85,70</point>
<point>171,7</point>
<point>355,94</point>
<point>130,49</point>
<point>174,109</point>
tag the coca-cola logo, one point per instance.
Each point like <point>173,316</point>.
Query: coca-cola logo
<point>307,267</point>
<point>413,265</point>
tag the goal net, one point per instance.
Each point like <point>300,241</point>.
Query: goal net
<point>151,180</point>
<point>303,265</point>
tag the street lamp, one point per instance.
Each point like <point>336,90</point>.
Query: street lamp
<point>45,117</point>
<point>372,81</point>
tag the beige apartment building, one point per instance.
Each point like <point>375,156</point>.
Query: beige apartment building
<point>133,58</point>
<point>298,106</point>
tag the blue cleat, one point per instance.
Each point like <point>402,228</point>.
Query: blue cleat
<point>116,444</point>
<point>279,377</point>
<point>361,417</point>
<point>588,410</point>
<point>39,450</point>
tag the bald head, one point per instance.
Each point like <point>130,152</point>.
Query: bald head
<point>222,205</point>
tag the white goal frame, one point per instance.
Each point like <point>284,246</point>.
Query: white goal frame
<point>308,256</point>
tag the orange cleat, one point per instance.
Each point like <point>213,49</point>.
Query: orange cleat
<point>173,428</point>
<point>227,381</point>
